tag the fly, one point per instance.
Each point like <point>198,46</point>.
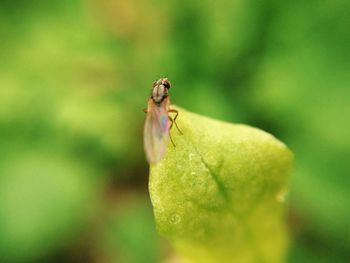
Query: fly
<point>158,122</point>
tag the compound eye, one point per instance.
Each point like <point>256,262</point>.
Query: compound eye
<point>166,84</point>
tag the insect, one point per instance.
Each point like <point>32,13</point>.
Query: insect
<point>158,122</point>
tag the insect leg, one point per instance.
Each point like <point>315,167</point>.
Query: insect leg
<point>145,110</point>
<point>171,125</point>
<point>176,114</point>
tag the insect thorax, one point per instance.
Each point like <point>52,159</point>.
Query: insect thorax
<point>159,93</point>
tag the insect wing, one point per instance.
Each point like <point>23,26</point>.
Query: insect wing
<point>156,132</point>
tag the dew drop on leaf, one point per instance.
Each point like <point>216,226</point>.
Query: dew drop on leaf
<point>175,219</point>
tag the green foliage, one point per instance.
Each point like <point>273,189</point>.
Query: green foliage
<point>43,197</point>
<point>75,76</point>
<point>219,194</point>
<point>130,234</point>
<point>302,84</point>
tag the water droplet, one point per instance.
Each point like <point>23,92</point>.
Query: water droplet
<point>175,219</point>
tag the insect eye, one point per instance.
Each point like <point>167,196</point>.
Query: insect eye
<point>166,84</point>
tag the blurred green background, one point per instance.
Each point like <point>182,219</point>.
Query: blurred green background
<point>75,76</point>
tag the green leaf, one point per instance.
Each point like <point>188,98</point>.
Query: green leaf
<point>219,195</point>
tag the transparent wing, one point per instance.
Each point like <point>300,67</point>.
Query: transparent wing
<point>156,131</point>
